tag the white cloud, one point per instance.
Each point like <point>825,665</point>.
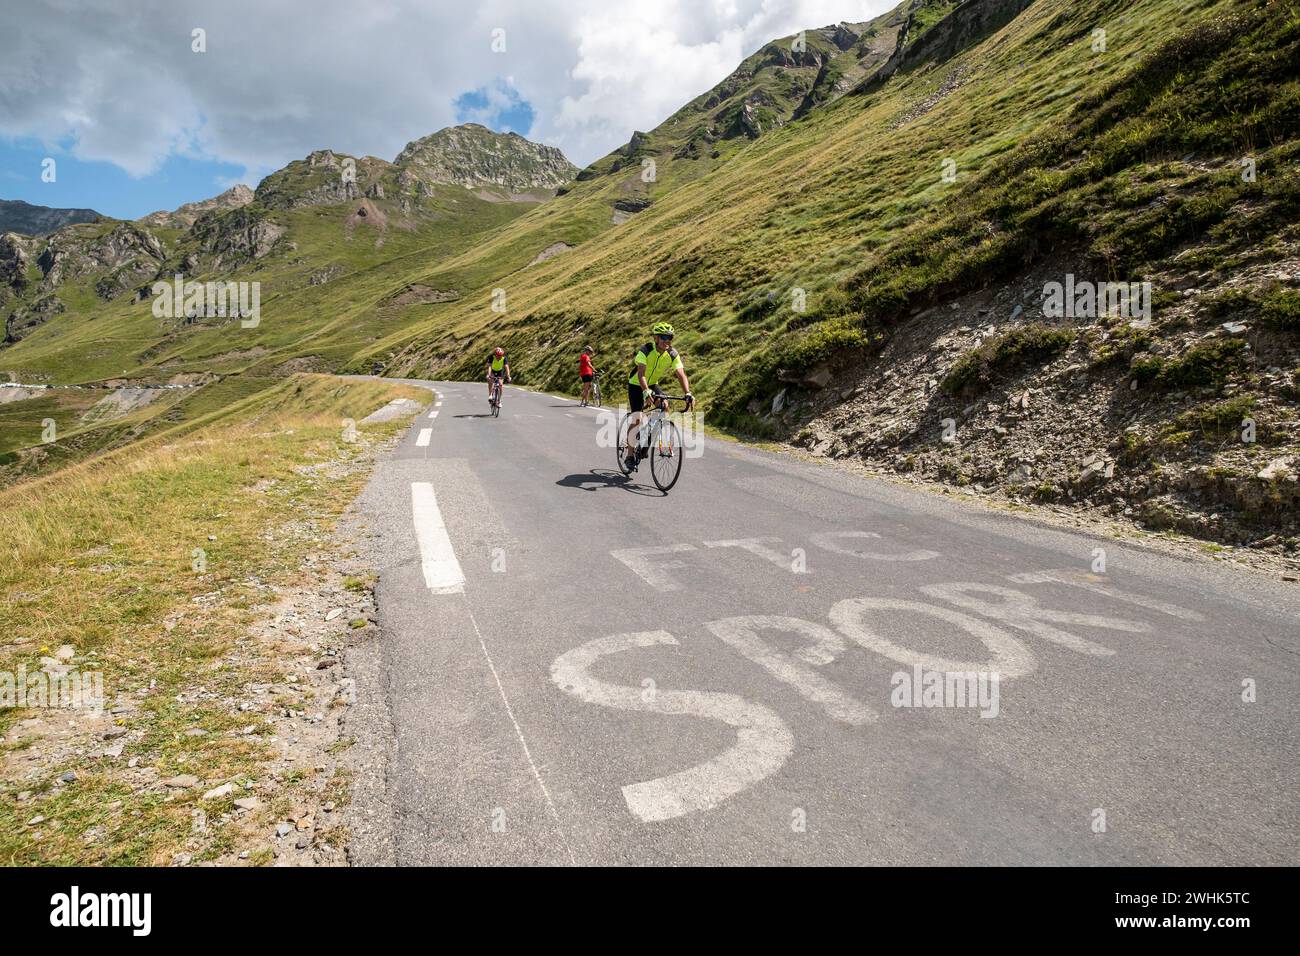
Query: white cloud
<point>636,64</point>
<point>364,76</point>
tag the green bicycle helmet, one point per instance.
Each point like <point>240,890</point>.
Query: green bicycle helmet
<point>662,328</point>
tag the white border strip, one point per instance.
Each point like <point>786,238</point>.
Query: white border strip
<point>442,573</point>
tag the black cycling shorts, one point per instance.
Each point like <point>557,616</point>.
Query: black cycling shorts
<point>635,397</point>
<point>587,378</point>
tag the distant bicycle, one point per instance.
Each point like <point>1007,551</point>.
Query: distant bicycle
<point>595,389</point>
<point>660,440</point>
<point>495,400</point>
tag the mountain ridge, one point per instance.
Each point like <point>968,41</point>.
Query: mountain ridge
<point>238,228</point>
<point>184,216</point>
<point>35,221</point>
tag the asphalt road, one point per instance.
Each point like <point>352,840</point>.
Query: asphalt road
<point>575,668</point>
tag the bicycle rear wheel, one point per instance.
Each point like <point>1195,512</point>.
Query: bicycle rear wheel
<point>666,455</point>
<point>620,445</point>
<point>595,392</point>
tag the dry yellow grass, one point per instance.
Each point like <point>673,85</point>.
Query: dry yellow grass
<point>151,562</point>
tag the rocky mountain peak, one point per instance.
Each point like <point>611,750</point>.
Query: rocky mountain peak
<point>472,155</point>
<point>185,216</point>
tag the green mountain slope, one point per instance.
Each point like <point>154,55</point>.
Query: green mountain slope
<point>78,305</point>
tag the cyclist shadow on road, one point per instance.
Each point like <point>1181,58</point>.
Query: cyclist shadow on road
<point>601,478</point>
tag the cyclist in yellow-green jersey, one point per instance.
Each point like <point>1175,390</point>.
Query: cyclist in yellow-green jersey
<point>497,366</point>
<point>653,361</point>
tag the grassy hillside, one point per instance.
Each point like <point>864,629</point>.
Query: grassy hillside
<point>331,266</point>
<point>102,558</point>
<point>725,240</point>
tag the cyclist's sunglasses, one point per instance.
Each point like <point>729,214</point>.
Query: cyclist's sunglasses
<point>666,338</point>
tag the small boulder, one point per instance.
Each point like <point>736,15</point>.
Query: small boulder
<point>1279,469</point>
<point>817,379</point>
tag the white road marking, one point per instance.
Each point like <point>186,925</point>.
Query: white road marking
<point>759,547</point>
<point>1011,658</point>
<point>826,645</point>
<point>438,403</point>
<point>433,414</point>
<point>1022,611</point>
<point>423,439</point>
<point>763,741</point>
<point>1092,582</point>
<point>442,572</point>
<point>528,755</point>
<point>828,542</point>
<point>654,574</point>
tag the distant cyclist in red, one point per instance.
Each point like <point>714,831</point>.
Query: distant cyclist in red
<point>586,373</point>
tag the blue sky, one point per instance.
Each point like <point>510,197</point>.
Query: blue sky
<point>104,186</point>
<point>498,107</point>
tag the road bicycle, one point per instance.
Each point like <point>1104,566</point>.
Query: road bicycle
<point>495,400</point>
<point>594,398</point>
<point>660,440</point>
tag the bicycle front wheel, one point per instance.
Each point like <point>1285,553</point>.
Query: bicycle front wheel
<point>666,455</point>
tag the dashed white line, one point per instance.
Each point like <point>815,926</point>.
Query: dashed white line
<point>442,572</point>
<point>423,439</point>
<point>433,414</point>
